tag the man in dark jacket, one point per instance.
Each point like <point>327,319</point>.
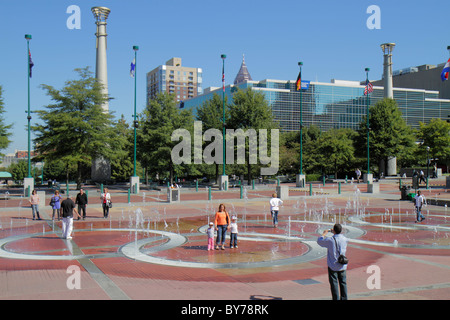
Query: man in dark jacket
<point>81,201</point>
<point>68,207</point>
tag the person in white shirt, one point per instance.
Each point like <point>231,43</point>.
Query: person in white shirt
<point>234,232</point>
<point>418,202</point>
<point>274,208</point>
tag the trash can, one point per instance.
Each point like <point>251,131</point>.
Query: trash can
<point>173,195</point>
<point>404,191</point>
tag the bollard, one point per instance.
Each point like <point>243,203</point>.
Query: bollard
<point>101,188</point>
<point>346,179</point>
<point>278,181</point>
<point>242,192</point>
<point>427,184</point>
<point>400,182</point>
<point>226,185</point>
<point>67,189</point>
<point>253,184</point>
<point>129,195</point>
<point>196,185</point>
<point>209,193</point>
<point>310,189</point>
<point>339,187</point>
<point>323,178</point>
<point>87,194</point>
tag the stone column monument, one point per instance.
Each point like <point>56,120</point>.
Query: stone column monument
<point>101,168</point>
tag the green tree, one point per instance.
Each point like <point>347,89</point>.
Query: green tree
<point>210,113</point>
<point>75,128</point>
<point>18,170</point>
<point>336,150</point>
<point>436,135</point>
<point>250,110</point>
<point>389,134</point>
<point>123,146</point>
<point>4,129</point>
<point>158,121</point>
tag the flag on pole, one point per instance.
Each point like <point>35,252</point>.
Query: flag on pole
<point>223,79</point>
<point>445,71</point>
<point>30,63</point>
<point>298,83</point>
<point>133,68</point>
<point>369,88</point>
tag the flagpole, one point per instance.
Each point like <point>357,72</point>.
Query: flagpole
<point>367,116</point>
<point>223,56</point>
<point>135,48</point>
<point>28,38</point>
<point>301,121</point>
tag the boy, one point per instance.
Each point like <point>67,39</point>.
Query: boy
<point>274,208</point>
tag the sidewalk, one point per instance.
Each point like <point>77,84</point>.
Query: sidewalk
<point>150,249</point>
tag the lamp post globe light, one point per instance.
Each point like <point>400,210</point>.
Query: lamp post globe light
<point>223,179</point>
<point>134,180</point>
<point>29,180</point>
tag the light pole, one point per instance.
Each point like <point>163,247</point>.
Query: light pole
<point>428,162</point>
<point>367,116</point>
<point>134,180</point>
<point>135,124</point>
<point>301,120</point>
<point>28,38</point>
<point>223,179</point>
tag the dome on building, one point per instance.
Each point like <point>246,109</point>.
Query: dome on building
<point>243,74</point>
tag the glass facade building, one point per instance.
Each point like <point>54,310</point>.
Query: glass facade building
<point>339,104</point>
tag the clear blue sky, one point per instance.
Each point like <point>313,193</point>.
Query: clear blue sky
<point>329,36</point>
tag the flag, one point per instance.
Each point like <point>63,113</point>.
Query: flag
<point>223,79</point>
<point>30,63</point>
<point>445,71</point>
<point>298,83</point>
<point>369,88</point>
<point>133,68</point>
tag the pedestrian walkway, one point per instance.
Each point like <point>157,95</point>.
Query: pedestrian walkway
<point>150,249</point>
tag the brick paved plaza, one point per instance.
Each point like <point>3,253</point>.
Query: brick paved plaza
<point>150,249</point>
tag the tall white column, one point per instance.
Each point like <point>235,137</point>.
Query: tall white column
<point>101,168</point>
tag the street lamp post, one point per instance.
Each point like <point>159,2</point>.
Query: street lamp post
<point>134,180</point>
<point>29,180</point>
<point>300,181</point>
<point>223,182</point>
<point>368,125</point>
<point>428,162</point>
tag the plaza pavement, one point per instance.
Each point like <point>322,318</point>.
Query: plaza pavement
<point>149,249</point>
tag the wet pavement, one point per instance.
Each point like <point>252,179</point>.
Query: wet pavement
<point>152,249</point>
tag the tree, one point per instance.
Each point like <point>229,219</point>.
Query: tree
<point>4,129</point>
<point>18,170</point>
<point>75,128</point>
<point>210,114</point>
<point>123,146</point>
<point>336,150</point>
<point>159,120</point>
<point>436,135</point>
<point>250,110</point>
<point>389,134</point>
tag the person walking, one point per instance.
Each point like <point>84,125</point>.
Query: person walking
<point>275,203</point>
<point>81,201</point>
<point>68,208</point>
<point>358,174</point>
<point>210,233</point>
<point>418,203</point>
<point>106,200</point>
<point>221,221</point>
<point>34,201</point>
<point>337,272</point>
<point>55,203</point>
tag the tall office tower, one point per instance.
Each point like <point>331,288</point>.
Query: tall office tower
<point>391,165</point>
<point>101,167</point>
<point>101,70</point>
<point>243,74</point>
<point>172,77</point>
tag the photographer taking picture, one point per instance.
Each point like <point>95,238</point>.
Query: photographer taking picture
<point>336,261</point>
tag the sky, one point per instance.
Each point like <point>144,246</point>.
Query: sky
<point>330,37</point>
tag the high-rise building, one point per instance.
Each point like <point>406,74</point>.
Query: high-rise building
<point>172,77</point>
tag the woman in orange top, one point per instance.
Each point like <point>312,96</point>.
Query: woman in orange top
<point>221,221</point>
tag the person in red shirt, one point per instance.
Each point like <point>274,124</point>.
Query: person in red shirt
<point>221,221</point>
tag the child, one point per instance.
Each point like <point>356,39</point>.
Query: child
<point>234,232</point>
<point>274,208</point>
<point>210,233</point>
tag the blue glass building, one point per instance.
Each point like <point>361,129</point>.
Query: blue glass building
<point>338,104</point>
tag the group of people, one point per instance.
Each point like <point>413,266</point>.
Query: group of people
<point>66,208</point>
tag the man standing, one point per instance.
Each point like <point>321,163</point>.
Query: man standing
<point>68,207</point>
<point>337,272</point>
<point>81,201</point>
<point>418,202</point>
